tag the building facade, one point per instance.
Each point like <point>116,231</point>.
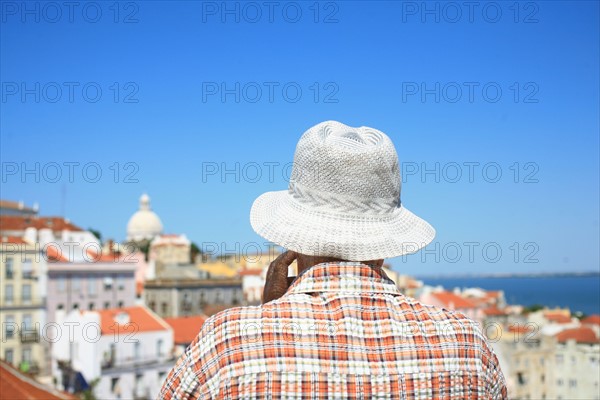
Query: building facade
<point>126,353</point>
<point>181,297</point>
<point>90,286</point>
<point>22,304</point>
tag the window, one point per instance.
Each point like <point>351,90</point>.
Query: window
<point>91,306</point>
<point>120,304</point>
<point>27,322</point>
<point>61,284</point>
<point>139,390</point>
<point>60,307</point>
<point>27,269</point>
<point>572,383</point>
<point>153,305</point>
<point>560,359</point>
<point>92,285</point>
<point>559,382</point>
<point>137,347</point>
<point>159,347</point>
<point>543,378</point>
<point>76,283</point>
<point>106,305</point>
<point>520,378</point>
<point>26,293</point>
<point>76,306</point>
<point>9,356</point>
<point>114,384</point>
<point>162,376</point>
<point>26,356</point>
<point>108,283</point>
<point>9,327</point>
<point>164,308</point>
<point>9,271</point>
<point>8,294</point>
<point>121,282</point>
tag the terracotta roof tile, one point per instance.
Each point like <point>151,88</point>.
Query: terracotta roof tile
<point>580,335</point>
<point>558,318</point>
<point>15,385</point>
<point>493,310</point>
<point>520,328</point>
<point>453,301</point>
<point>20,223</point>
<point>12,240</point>
<point>591,320</point>
<point>140,318</point>
<point>186,328</point>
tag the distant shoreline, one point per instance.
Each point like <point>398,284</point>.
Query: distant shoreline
<point>511,275</point>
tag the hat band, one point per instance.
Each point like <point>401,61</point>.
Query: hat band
<point>341,204</point>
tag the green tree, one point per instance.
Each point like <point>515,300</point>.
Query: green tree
<point>96,233</point>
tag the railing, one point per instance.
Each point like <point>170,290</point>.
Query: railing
<point>29,367</point>
<point>114,363</point>
<point>30,336</point>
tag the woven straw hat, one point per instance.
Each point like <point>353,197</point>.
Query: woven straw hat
<point>343,199</point>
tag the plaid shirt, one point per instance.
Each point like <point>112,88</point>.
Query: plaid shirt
<point>341,331</point>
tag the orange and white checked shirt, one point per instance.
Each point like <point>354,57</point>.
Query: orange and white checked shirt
<point>341,331</point>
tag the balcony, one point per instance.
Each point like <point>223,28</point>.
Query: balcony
<point>30,336</point>
<point>29,367</point>
<point>112,365</point>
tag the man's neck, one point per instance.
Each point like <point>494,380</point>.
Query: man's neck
<point>304,261</point>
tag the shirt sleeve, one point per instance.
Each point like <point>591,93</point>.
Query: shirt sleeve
<point>496,381</point>
<point>196,371</point>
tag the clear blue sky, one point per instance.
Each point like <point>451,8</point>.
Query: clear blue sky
<point>372,58</point>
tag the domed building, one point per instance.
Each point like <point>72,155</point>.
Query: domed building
<point>144,224</point>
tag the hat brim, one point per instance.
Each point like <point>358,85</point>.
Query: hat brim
<point>277,217</point>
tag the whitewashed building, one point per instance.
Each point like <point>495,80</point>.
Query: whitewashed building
<point>125,352</point>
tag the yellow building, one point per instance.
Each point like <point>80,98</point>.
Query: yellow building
<point>23,274</point>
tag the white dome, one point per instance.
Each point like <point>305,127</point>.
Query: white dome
<point>144,224</point>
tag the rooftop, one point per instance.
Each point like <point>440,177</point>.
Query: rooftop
<point>15,385</point>
<point>452,300</point>
<point>580,335</point>
<point>591,320</point>
<point>138,317</point>
<point>20,223</point>
<point>186,329</point>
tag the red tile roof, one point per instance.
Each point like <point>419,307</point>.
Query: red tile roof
<point>186,328</point>
<point>591,320</point>
<point>15,385</point>
<point>140,318</point>
<point>12,240</point>
<point>558,318</point>
<point>493,310</point>
<point>453,301</point>
<point>20,223</point>
<point>55,254</point>
<point>580,335</point>
<point>520,328</point>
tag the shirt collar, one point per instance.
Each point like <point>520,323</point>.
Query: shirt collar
<point>343,277</point>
